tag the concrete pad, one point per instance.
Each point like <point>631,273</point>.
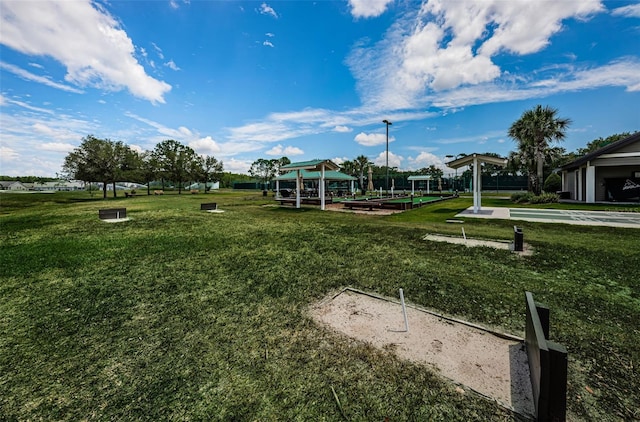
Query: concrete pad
<point>577,217</point>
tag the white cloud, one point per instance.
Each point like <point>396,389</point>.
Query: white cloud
<point>394,160</point>
<point>279,151</point>
<point>56,147</point>
<point>158,50</point>
<point>270,35</point>
<point>368,8</point>
<point>451,44</point>
<point>24,74</point>
<point>37,65</point>
<point>205,146</point>
<point>83,37</point>
<point>340,160</point>
<point>171,65</point>
<point>625,73</point>
<point>8,154</point>
<point>372,139</point>
<point>237,166</point>
<point>265,9</point>
<point>631,11</point>
<point>312,121</point>
<point>268,44</point>
<point>424,159</point>
<point>174,4</point>
<point>342,129</point>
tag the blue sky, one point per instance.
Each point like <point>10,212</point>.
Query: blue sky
<point>309,79</point>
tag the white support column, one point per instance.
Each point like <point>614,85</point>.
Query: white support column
<point>412,188</point>
<point>322,200</point>
<point>277,189</point>
<point>298,189</point>
<point>476,185</point>
<point>590,184</point>
<point>579,184</point>
<point>428,182</point>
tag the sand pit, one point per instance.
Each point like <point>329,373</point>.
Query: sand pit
<point>469,242</point>
<point>493,365</point>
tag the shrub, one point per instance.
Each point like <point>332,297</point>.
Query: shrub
<point>544,198</point>
<point>521,197</point>
<point>530,198</point>
<point>553,183</point>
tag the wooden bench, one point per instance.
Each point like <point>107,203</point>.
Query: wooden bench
<point>547,365</point>
<point>158,192</point>
<point>194,191</point>
<point>129,194</point>
<point>112,213</point>
<point>211,206</point>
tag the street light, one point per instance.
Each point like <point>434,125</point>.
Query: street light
<point>388,123</point>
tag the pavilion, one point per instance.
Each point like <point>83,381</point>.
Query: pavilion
<point>321,170</point>
<point>419,178</point>
<point>476,161</point>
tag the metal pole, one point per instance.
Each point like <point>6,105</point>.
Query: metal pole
<point>404,311</point>
<point>386,122</point>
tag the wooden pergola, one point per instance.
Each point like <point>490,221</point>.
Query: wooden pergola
<point>476,161</point>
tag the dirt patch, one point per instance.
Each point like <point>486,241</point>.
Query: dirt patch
<point>469,242</point>
<point>377,211</point>
<point>491,364</point>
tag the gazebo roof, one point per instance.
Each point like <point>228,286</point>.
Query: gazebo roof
<point>468,159</point>
<point>315,175</point>
<point>313,165</point>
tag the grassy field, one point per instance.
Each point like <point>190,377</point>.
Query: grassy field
<point>180,314</point>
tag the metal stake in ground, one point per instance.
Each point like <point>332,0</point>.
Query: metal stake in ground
<point>404,311</point>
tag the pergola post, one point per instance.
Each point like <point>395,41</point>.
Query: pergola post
<point>476,185</point>
<point>322,199</point>
<point>412,188</point>
<point>277,189</point>
<point>298,189</point>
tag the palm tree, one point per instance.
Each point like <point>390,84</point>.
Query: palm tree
<point>535,131</point>
<point>361,163</point>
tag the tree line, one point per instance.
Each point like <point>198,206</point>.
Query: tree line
<point>537,134</point>
<point>107,161</point>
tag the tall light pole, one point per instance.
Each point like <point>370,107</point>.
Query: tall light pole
<point>388,123</point>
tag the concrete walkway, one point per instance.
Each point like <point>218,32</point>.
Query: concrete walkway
<point>586,218</point>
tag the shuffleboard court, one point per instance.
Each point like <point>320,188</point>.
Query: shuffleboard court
<point>589,218</point>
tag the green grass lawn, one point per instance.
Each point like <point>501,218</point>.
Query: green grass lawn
<point>180,314</point>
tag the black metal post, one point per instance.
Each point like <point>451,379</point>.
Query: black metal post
<point>385,121</point>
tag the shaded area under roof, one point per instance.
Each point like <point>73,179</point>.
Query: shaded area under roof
<point>315,175</point>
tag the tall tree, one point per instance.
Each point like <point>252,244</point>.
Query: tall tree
<point>175,161</point>
<point>280,162</point>
<point>149,169</point>
<point>263,169</point>
<point>211,170</point>
<point>534,132</point>
<point>98,160</point>
<point>596,144</point>
<point>361,164</point>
